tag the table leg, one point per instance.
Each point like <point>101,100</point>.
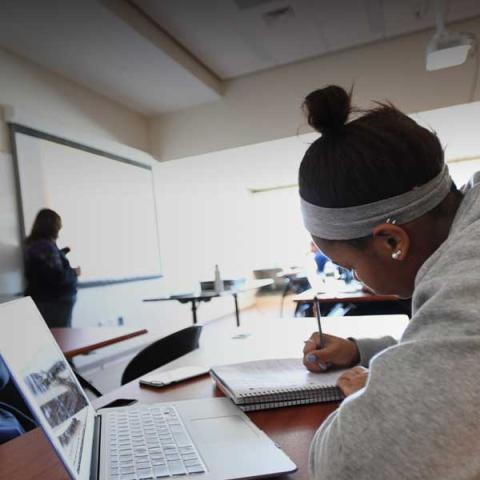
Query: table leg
<point>284,294</point>
<point>237,313</point>
<point>194,311</point>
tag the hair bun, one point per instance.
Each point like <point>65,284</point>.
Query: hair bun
<point>327,109</point>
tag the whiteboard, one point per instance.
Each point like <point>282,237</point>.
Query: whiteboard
<point>107,205</point>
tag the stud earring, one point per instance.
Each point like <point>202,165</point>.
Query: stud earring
<point>396,255</point>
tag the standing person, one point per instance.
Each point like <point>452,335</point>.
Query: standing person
<point>51,282</point>
<point>377,199</point>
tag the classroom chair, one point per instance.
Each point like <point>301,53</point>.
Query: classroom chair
<point>162,351</point>
<point>295,283</point>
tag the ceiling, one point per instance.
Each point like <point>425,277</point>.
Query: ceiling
<point>238,37</point>
<point>157,56</point>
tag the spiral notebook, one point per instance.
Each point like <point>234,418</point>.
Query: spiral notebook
<point>264,384</point>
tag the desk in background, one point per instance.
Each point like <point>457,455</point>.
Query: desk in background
<point>79,341</point>
<point>358,296</point>
<point>206,295</point>
<point>31,456</point>
<point>362,303</point>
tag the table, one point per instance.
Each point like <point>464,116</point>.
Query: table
<point>31,456</point>
<point>265,338</point>
<point>206,295</point>
<point>79,341</point>
<point>364,303</point>
<point>359,296</point>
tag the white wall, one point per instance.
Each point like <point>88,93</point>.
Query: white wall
<point>51,102</point>
<point>457,128</point>
<point>213,218</point>
<point>266,106</point>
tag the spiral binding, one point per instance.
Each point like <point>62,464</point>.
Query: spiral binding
<point>331,397</point>
<point>315,393</point>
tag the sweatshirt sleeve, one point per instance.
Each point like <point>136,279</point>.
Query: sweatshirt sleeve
<point>417,417</point>
<point>369,347</point>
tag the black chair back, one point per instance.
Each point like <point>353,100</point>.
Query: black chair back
<point>162,351</point>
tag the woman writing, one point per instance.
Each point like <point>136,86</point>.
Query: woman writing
<point>377,198</point>
<point>51,282</point>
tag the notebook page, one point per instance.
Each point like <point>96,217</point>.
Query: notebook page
<point>272,376</point>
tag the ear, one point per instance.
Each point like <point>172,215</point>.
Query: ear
<point>391,241</point>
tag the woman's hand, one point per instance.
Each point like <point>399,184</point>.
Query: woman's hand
<point>78,271</point>
<point>352,380</point>
<point>337,352</point>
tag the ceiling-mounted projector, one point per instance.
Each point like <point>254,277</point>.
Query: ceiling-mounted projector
<point>447,49</point>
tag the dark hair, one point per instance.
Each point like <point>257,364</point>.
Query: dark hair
<point>380,154</point>
<point>46,226</point>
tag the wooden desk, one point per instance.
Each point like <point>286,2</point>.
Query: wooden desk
<point>309,296</point>
<point>31,456</point>
<point>263,338</point>
<point>78,341</point>
<point>206,295</point>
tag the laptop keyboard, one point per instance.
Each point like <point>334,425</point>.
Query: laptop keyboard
<point>150,442</point>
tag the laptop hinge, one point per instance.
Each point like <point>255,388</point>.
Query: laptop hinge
<point>95,468</point>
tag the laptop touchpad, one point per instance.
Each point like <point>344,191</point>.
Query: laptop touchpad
<point>222,429</point>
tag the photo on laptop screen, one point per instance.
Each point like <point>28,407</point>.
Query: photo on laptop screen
<point>63,405</point>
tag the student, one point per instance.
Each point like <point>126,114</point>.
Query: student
<point>51,282</point>
<point>9,425</point>
<point>377,199</point>
<point>319,258</point>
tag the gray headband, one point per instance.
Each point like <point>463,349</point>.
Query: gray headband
<point>357,222</point>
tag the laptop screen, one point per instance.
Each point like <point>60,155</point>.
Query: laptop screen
<point>47,383</point>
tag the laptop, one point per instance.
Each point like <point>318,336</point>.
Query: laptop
<point>204,439</point>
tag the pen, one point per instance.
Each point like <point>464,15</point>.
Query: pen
<point>317,308</point>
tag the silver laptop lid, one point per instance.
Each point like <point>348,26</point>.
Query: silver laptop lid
<point>48,385</point>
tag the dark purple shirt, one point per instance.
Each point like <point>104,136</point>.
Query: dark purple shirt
<point>48,272</point>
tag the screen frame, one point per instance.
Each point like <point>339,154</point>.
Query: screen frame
<point>14,129</point>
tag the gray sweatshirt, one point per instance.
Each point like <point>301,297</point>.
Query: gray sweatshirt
<point>419,415</point>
